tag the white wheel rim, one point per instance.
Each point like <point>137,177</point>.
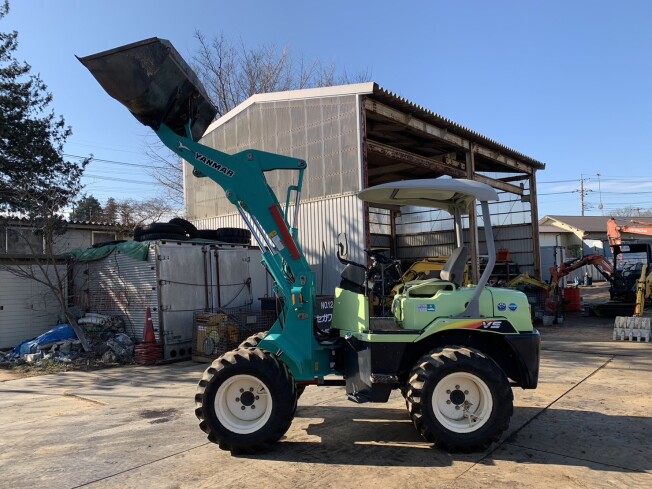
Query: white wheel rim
<point>462,402</point>
<point>243,404</point>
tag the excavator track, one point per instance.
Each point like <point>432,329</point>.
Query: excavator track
<point>612,309</point>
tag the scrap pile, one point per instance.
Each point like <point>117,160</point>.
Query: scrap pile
<point>109,344</point>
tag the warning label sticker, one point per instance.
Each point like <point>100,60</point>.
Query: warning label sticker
<point>276,239</point>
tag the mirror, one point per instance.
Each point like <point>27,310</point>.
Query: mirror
<point>342,247</point>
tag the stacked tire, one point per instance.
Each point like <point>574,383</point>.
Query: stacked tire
<point>226,235</point>
<point>176,229</point>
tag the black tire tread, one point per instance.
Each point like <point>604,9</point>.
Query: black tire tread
<point>277,373</point>
<point>163,227</point>
<point>461,357</point>
<point>253,340</point>
<point>233,235</point>
<point>158,236</point>
<point>188,227</point>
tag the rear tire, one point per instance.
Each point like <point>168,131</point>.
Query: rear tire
<point>232,388</point>
<point>459,399</point>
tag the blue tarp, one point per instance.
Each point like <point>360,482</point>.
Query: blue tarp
<point>58,333</point>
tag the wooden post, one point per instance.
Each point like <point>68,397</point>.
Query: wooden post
<point>473,220</point>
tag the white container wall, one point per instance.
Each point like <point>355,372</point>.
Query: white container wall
<point>177,280</point>
<point>320,222</point>
<point>27,308</point>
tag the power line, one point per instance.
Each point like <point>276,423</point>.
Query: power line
<point>114,162</point>
<point>559,193</point>
<point>115,179</point>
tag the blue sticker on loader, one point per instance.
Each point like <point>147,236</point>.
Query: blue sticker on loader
<point>502,306</point>
<point>513,307</point>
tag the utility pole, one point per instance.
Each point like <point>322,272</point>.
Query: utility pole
<point>583,192</point>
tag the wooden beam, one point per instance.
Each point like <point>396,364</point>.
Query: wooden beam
<point>499,184</point>
<point>473,222</point>
<point>452,168</point>
<point>504,160</point>
<point>444,135</point>
<point>515,178</point>
<point>413,159</point>
<point>534,216</point>
<point>381,169</point>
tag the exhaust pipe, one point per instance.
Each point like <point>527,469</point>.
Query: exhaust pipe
<point>153,81</point>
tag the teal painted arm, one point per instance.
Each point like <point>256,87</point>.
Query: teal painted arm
<point>242,176</point>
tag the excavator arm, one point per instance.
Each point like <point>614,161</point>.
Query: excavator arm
<point>614,230</point>
<point>602,264</point>
<point>160,90</point>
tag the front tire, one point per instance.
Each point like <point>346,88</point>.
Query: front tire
<point>253,340</point>
<point>459,399</point>
<point>245,401</point>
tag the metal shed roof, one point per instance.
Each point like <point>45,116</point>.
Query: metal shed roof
<point>388,98</point>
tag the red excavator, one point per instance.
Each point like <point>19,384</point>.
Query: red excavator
<point>601,263</point>
<point>614,230</point>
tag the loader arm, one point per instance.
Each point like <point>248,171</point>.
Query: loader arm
<point>161,91</point>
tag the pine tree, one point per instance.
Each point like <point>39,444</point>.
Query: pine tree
<point>35,180</point>
<point>111,211</point>
<point>88,209</point>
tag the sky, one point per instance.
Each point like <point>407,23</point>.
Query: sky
<point>566,83</point>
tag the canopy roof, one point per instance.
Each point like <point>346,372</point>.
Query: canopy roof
<point>446,193</point>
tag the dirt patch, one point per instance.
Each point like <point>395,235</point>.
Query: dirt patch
<point>12,371</point>
<point>8,374</point>
<point>158,416</point>
<point>599,292</point>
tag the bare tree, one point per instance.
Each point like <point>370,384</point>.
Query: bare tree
<point>631,211</point>
<point>36,182</point>
<point>132,213</point>
<point>231,72</point>
<point>36,252</point>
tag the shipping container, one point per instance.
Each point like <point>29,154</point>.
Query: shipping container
<point>177,279</point>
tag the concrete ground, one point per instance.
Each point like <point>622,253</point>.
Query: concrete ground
<point>588,424</point>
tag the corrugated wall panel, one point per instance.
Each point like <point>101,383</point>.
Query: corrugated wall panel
<point>322,131</point>
<point>320,222</point>
<point>120,285</point>
<point>27,308</point>
<point>517,239</point>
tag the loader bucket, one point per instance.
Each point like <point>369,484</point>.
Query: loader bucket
<point>153,81</point>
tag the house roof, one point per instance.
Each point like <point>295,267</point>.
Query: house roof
<point>587,224</point>
<point>549,229</point>
<point>385,96</point>
<point>110,226</point>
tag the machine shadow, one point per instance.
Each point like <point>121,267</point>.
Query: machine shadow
<point>386,437</point>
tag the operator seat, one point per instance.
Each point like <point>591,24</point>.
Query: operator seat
<point>453,270</point>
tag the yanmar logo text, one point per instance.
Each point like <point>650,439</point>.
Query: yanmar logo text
<point>214,165</point>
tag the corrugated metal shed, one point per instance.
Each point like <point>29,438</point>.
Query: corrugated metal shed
<point>356,136</point>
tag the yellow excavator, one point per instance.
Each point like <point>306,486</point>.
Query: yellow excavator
<point>425,269</point>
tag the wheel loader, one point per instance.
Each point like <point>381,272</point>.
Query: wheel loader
<point>454,352</point>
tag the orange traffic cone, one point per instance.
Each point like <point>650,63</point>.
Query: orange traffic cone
<point>148,352</point>
<point>148,331</point>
